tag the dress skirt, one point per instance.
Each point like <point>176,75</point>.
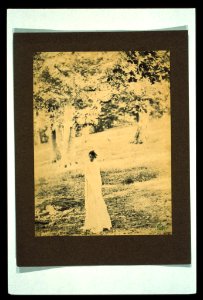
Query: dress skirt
<point>96,214</point>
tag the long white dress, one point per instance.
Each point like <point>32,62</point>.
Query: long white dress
<point>97,217</point>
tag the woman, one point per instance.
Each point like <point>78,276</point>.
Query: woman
<point>97,218</point>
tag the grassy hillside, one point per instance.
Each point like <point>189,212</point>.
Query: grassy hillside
<point>136,183</point>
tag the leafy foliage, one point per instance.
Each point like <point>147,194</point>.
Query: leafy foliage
<point>101,87</point>
<point>153,65</point>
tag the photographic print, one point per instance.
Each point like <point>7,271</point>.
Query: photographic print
<point>102,143</point>
<point>102,148</point>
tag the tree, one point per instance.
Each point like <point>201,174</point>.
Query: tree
<point>145,79</point>
<point>67,88</point>
<point>51,95</point>
<point>96,90</point>
<point>153,65</point>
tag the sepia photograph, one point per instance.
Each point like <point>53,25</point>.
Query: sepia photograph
<point>102,143</point>
<point>101,116</point>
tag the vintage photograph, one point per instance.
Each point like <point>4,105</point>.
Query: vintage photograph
<point>102,143</point>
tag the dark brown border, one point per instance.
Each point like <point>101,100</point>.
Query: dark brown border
<point>101,250</point>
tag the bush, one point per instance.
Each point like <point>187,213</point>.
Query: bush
<point>144,175</point>
<point>128,180</point>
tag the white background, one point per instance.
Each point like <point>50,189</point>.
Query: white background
<point>177,279</point>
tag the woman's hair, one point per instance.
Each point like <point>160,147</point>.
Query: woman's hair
<point>93,153</point>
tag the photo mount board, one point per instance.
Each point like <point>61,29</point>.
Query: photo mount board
<point>101,250</point>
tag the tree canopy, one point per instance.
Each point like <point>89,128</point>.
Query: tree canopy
<point>100,87</point>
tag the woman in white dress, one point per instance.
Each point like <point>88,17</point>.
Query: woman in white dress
<point>97,218</point>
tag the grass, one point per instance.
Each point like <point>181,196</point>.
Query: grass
<point>136,186</point>
<point>68,203</point>
<point>127,176</point>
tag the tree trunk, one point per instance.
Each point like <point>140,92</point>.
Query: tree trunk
<point>141,131</point>
<point>67,142</point>
<point>56,152</point>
